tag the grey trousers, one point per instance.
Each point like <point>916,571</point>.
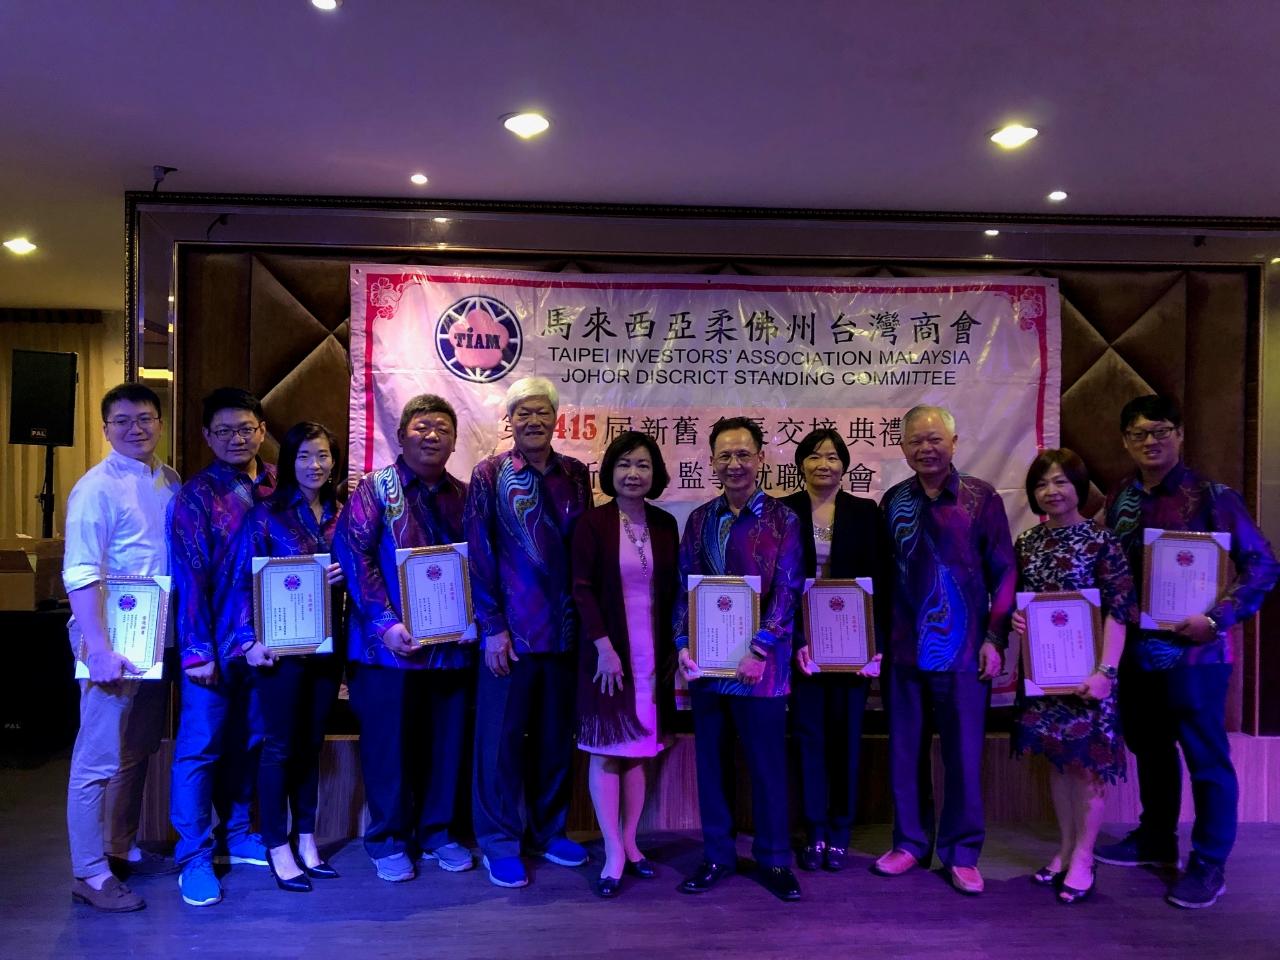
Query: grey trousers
<point>120,727</point>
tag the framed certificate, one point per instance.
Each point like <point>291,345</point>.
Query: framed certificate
<point>136,613</point>
<point>838,624</point>
<point>1183,573</point>
<point>1063,639</point>
<point>292,604</point>
<point>724,616</point>
<point>435,593</point>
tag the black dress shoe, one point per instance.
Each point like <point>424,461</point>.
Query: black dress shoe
<point>834,860</point>
<point>641,868</point>
<point>811,856</point>
<point>781,882</point>
<point>706,876</point>
<point>151,865</point>
<point>321,871</point>
<point>607,887</point>
<point>298,884</point>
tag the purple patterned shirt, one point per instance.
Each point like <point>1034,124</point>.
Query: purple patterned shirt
<point>955,572</point>
<point>271,531</point>
<point>763,541</point>
<point>393,509</point>
<point>207,512</point>
<point>1184,500</point>
<point>519,523</point>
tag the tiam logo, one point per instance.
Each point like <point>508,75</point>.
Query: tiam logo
<point>479,339</point>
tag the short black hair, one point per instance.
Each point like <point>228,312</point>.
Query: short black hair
<point>1153,407</point>
<point>230,398</point>
<point>623,444</point>
<point>287,466</point>
<point>129,393</point>
<point>737,423</point>
<point>813,439</point>
<point>1071,465</point>
<point>425,403</point>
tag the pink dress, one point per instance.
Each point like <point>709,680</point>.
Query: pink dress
<point>637,599</point>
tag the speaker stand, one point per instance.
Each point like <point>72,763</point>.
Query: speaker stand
<point>45,496</point>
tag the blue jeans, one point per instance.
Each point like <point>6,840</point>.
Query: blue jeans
<point>215,761</point>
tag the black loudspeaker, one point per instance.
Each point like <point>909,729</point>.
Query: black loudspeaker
<point>42,403</point>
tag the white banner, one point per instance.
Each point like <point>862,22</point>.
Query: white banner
<point>669,355</point>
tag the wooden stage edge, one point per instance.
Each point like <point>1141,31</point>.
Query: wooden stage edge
<point>1015,790</point>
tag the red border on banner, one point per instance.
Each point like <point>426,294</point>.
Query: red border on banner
<point>1010,290</point>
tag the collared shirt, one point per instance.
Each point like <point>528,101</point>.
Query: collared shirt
<point>1184,500</point>
<point>116,519</point>
<point>207,513</point>
<point>519,523</point>
<point>391,509</point>
<point>270,530</point>
<point>955,575</point>
<point>761,540</point>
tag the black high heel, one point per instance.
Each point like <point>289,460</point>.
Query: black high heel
<point>321,871</point>
<point>641,868</point>
<point>1044,877</point>
<point>298,884</point>
<point>607,887</point>
<point>1070,895</point>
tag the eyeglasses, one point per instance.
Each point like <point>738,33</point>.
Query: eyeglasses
<point>146,421</point>
<point>742,456</point>
<point>226,433</point>
<point>524,416</point>
<point>1159,433</point>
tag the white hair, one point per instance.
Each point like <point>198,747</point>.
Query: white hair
<point>528,387</point>
<point>924,410</point>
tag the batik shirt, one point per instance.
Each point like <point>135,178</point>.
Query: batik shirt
<point>273,531</point>
<point>955,575</point>
<point>762,540</point>
<point>1184,500</point>
<point>393,509</point>
<point>207,514</point>
<point>519,523</point>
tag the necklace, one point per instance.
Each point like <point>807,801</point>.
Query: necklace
<point>823,533</point>
<point>637,541</point>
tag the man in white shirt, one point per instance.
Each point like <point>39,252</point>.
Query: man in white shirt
<point>115,526</point>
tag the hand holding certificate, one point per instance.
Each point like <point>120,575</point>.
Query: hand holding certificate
<point>1183,574</point>
<point>1062,640</point>
<point>136,614</point>
<point>838,625</point>
<point>435,593</point>
<point>291,604</point>
<point>724,616</point>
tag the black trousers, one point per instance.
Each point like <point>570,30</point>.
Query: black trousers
<point>296,696</point>
<point>412,730</point>
<point>826,714</point>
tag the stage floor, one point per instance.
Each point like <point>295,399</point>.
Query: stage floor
<point>442,915</point>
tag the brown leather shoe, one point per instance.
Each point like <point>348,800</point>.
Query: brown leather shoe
<point>894,863</point>
<point>114,897</point>
<point>967,880</point>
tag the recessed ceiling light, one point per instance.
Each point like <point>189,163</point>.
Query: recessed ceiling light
<point>419,178</point>
<point>20,245</point>
<point>988,256</point>
<point>526,125</point>
<point>991,233</point>
<point>328,6</point>
<point>1013,136</point>
<point>1057,196</point>
<point>442,246</point>
<point>439,219</point>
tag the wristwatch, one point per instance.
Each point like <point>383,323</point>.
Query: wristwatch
<point>1107,670</point>
<point>1213,623</point>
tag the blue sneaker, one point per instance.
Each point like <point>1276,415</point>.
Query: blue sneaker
<point>453,857</point>
<point>506,872</point>
<point>198,884</point>
<point>248,849</point>
<point>394,868</point>
<point>565,852</point>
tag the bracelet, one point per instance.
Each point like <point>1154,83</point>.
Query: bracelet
<point>1213,623</point>
<point>758,653</point>
<point>1107,670</point>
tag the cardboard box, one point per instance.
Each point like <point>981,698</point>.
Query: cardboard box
<point>45,557</point>
<point>17,581</point>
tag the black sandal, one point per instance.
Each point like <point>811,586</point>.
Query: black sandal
<point>1070,895</point>
<point>1044,877</point>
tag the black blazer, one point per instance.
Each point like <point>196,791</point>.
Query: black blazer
<point>859,548</point>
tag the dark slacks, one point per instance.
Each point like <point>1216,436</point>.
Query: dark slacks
<point>524,753</point>
<point>215,761</point>
<point>761,726</point>
<point>1162,710</point>
<point>412,729</point>
<point>955,705</point>
<point>296,696</point>
<point>826,712</point>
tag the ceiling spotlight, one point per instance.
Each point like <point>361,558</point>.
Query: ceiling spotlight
<point>419,178</point>
<point>526,125</point>
<point>988,256</point>
<point>328,6</point>
<point>991,233</point>
<point>1057,196</point>
<point>1273,259</point>
<point>20,245</point>
<point>1013,136</point>
<point>439,219</point>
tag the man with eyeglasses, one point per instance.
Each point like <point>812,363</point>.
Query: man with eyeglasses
<point>215,752</point>
<point>115,526</point>
<point>519,517</point>
<point>953,596</point>
<point>1173,684</point>
<point>743,533</point>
